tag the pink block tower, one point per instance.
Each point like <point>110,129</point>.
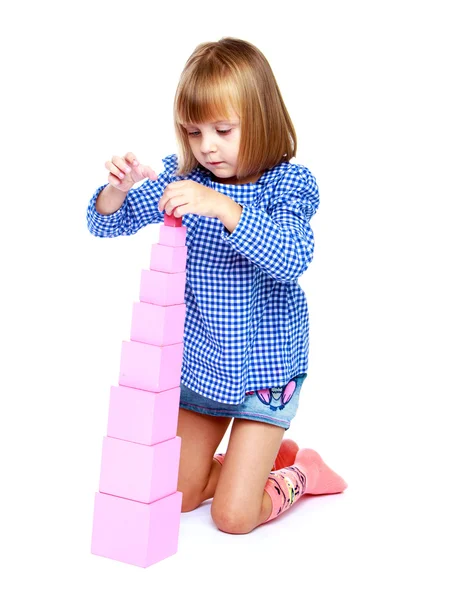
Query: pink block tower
<point>137,509</point>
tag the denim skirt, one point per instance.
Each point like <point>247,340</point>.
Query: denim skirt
<point>276,405</point>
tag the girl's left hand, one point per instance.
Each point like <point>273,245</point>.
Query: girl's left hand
<point>186,196</point>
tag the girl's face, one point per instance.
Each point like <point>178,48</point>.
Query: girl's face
<point>216,146</point>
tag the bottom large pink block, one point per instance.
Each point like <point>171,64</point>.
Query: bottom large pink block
<point>133,532</point>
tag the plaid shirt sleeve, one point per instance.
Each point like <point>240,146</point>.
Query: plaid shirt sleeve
<point>139,209</point>
<point>279,240</point>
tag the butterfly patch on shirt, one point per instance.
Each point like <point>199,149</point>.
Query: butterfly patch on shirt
<point>277,398</point>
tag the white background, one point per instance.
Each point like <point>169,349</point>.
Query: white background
<point>368,86</point>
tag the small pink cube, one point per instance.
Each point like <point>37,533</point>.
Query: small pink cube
<point>168,259</point>
<point>151,368</point>
<point>172,236</point>
<point>139,472</point>
<point>157,325</point>
<point>143,417</point>
<point>163,289</point>
<point>172,221</point>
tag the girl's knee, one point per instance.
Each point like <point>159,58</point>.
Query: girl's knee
<point>191,501</point>
<point>231,520</point>
<point>195,491</point>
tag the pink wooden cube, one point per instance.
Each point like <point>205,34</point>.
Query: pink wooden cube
<point>172,221</point>
<point>157,325</point>
<point>172,236</point>
<point>143,417</point>
<point>161,288</point>
<point>152,368</point>
<point>168,259</point>
<point>136,533</point>
<point>139,472</point>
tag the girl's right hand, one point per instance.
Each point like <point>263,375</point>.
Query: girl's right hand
<point>125,171</point>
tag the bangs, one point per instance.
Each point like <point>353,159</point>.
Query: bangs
<point>205,98</point>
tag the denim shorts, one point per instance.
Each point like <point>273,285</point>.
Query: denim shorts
<point>277,405</point>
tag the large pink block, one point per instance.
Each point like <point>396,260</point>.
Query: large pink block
<point>136,533</point>
<point>172,236</point>
<point>168,259</point>
<point>139,472</point>
<point>157,325</point>
<point>163,289</point>
<point>143,417</point>
<point>152,368</point>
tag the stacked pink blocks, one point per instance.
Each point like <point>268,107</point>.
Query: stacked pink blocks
<point>137,509</point>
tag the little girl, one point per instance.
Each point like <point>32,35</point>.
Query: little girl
<point>247,211</point>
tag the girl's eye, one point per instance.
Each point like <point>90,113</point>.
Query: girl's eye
<point>222,131</point>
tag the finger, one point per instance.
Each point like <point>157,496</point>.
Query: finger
<point>173,203</point>
<point>113,180</point>
<point>124,166</point>
<point>131,159</point>
<point>113,168</point>
<point>172,190</point>
<point>163,201</point>
<point>180,211</point>
<point>166,197</point>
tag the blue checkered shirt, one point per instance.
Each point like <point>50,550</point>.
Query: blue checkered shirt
<point>247,325</point>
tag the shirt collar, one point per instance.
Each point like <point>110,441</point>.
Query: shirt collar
<point>266,177</point>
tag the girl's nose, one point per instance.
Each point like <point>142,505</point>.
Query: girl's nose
<point>208,145</point>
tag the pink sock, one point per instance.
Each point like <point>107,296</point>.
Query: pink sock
<point>309,475</point>
<point>284,487</point>
<point>320,478</point>
<point>219,458</point>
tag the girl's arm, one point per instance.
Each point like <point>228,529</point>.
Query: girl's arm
<point>109,200</point>
<point>280,240</point>
<point>138,208</point>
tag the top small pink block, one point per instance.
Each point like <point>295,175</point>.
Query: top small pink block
<point>171,221</point>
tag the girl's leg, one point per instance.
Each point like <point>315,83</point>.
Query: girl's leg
<point>198,474</point>
<point>308,475</point>
<point>240,503</point>
<point>247,494</point>
<point>285,457</point>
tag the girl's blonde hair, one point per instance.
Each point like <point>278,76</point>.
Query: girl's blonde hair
<point>232,73</point>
